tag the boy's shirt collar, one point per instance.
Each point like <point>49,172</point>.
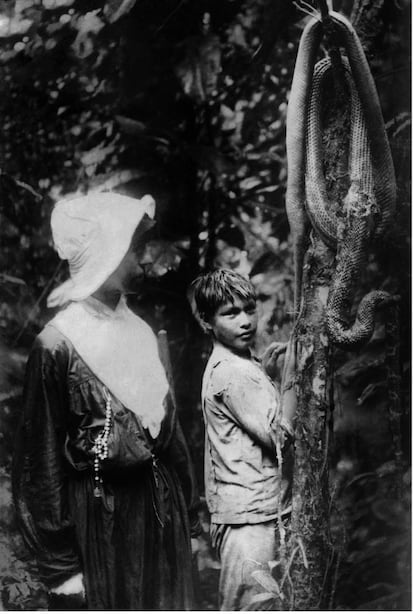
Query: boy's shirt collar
<point>221,352</point>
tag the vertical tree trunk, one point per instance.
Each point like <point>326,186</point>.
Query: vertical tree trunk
<point>310,516</point>
<point>311,551</point>
<point>310,538</point>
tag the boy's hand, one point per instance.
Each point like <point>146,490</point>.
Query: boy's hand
<point>289,399</point>
<point>270,357</point>
<point>195,546</point>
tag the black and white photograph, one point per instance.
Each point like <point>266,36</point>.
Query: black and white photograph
<point>205,305</point>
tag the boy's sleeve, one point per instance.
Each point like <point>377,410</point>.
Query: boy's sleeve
<point>253,406</point>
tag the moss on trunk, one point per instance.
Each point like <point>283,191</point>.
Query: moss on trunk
<point>310,538</point>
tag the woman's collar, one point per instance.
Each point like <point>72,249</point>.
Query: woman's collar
<point>99,309</point>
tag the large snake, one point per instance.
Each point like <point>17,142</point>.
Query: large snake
<point>370,201</point>
<point>295,145</point>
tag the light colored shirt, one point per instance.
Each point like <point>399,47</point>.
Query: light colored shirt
<point>241,411</point>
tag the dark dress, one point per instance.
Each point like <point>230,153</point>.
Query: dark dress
<point>133,543</point>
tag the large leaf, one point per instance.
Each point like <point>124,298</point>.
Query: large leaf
<point>11,280</point>
<point>131,126</point>
<point>250,182</point>
<point>56,4</point>
<point>115,9</point>
<point>259,602</point>
<point>13,26</point>
<point>265,579</point>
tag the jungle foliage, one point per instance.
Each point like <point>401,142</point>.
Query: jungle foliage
<point>187,101</point>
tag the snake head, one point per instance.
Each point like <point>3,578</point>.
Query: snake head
<point>385,299</point>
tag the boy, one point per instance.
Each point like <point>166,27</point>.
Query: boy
<point>244,430</point>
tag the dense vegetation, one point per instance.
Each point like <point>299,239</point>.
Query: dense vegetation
<point>187,101</point>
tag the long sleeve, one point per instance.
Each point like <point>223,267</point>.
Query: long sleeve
<point>39,480</point>
<point>250,400</point>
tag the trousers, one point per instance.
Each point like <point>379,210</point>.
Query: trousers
<point>242,549</point>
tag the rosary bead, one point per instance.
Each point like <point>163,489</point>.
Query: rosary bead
<point>100,448</point>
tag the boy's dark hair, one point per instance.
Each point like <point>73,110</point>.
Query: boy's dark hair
<point>218,287</point>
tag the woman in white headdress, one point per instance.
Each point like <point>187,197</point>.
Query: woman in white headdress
<point>102,478</point>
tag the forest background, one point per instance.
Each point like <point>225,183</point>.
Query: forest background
<point>187,101</point>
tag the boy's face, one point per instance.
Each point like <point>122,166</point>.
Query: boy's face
<point>234,324</point>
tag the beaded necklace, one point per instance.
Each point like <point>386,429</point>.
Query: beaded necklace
<point>101,446</point>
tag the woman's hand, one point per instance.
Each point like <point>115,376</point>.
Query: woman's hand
<point>270,357</point>
<point>70,595</point>
<point>73,586</point>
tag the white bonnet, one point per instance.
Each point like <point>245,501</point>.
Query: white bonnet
<point>93,233</point>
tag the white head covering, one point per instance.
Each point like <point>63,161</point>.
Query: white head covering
<point>93,233</point>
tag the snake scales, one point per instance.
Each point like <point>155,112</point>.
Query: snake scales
<point>369,204</point>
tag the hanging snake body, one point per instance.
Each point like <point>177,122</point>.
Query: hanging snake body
<point>295,145</point>
<point>368,207</point>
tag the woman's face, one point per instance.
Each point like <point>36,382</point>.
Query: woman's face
<point>129,275</point>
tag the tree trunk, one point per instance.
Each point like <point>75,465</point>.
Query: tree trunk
<point>311,550</point>
<point>310,537</point>
<point>310,516</point>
